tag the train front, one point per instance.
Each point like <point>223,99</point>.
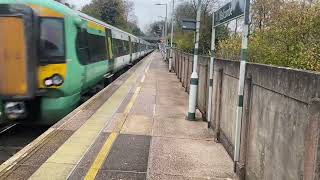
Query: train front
<point>26,48</point>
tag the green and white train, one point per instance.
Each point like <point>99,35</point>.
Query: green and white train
<point>50,55</point>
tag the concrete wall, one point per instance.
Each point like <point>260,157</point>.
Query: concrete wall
<point>280,137</point>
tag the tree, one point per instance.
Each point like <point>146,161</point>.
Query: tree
<point>156,28</point>
<point>184,40</point>
<point>118,13</point>
<point>284,33</point>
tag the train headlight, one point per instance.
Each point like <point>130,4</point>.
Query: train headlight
<point>48,82</point>
<point>55,80</point>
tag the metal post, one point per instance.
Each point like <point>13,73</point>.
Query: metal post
<point>194,76</point>
<point>166,31</point>
<point>244,57</point>
<point>170,58</point>
<point>211,71</point>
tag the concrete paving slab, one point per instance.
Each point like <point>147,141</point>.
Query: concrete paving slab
<point>144,105</point>
<point>151,91</point>
<point>129,153</point>
<point>86,162</point>
<point>181,128</point>
<point>189,158</point>
<point>138,125</point>
<point>176,177</point>
<point>49,173</point>
<point>166,111</point>
<point>149,85</point>
<point>176,93</point>
<point>113,125</point>
<point>124,103</point>
<point>170,101</point>
<point>120,175</point>
<point>78,173</point>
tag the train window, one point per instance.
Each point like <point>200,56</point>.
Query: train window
<point>52,41</point>
<point>97,48</point>
<point>135,47</point>
<point>125,47</point>
<point>83,47</point>
<point>120,47</point>
<point>115,45</point>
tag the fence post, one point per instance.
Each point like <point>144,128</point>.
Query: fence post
<point>312,143</point>
<point>241,169</point>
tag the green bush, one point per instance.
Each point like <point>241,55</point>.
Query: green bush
<point>290,37</point>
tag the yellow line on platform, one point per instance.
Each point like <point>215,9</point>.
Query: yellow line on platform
<point>128,109</point>
<point>60,164</point>
<point>104,152</point>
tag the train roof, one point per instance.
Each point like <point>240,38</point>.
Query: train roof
<point>63,9</point>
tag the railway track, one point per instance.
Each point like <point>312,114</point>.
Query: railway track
<point>14,137</point>
<point>6,128</point>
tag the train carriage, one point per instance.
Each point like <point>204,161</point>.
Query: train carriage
<point>50,55</point>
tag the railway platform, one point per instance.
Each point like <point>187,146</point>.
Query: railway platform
<point>133,129</point>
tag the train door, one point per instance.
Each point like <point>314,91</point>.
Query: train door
<point>130,49</point>
<point>139,48</point>
<point>109,49</point>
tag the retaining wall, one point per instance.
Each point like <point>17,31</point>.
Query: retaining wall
<point>280,136</point>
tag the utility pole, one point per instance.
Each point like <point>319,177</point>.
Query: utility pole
<point>170,58</point>
<point>166,31</point>
<point>194,76</point>
<point>166,27</point>
<point>244,58</point>
<point>211,67</point>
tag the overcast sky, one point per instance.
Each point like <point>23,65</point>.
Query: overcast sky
<point>146,10</point>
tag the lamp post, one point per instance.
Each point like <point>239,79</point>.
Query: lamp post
<point>166,25</point>
<point>163,34</point>
<point>170,58</point>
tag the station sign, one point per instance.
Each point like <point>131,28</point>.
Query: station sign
<point>189,24</point>
<point>228,12</point>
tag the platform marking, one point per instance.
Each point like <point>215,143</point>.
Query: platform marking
<point>143,78</point>
<point>128,109</point>
<point>104,152</point>
<point>72,151</point>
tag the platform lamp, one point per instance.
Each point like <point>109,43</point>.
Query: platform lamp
<point>166,26</point>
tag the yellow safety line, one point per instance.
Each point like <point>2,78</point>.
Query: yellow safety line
<point>104,152</point>
<point>64,160</point>
<point>128,109</point>
<point>101,157</point>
